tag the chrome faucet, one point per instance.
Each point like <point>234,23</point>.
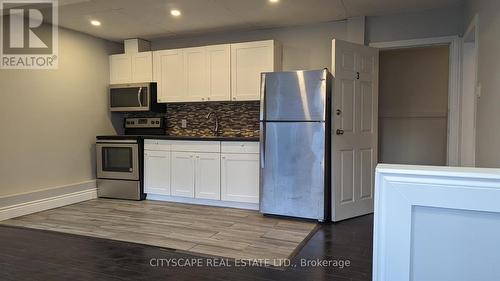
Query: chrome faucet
<point>216,127</point>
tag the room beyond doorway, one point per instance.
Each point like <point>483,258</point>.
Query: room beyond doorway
<point>413,105</point>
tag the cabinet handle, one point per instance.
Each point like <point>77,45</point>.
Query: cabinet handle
<point>202,99</point>
<point>208,98</point>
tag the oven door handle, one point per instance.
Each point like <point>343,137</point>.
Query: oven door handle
<point>139,96</point>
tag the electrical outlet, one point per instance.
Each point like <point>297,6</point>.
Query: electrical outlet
<point>184,123</point>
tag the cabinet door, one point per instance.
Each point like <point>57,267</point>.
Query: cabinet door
<point>195,77</point>
<point>183,172</point>
<point>248,61</point>
<point>168,68</point>
<point>219,72</point>
<point>157,172</point>
<point>207,176</point>
<point>240,177</point>
<point>120,69</point>
<point>142,67</point>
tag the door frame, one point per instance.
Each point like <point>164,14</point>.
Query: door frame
<point>454,86</point>
<point>471,91</point>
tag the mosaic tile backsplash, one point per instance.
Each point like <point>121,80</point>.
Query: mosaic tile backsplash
<point>236,119</point>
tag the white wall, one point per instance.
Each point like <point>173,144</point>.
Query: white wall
<point>488,110</point>
<point>309,47</point>
<point>49,118</point>
<point>434,23</point>
<point>304,47</point>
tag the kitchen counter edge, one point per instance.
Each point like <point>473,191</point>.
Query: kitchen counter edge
<point>186,138</point>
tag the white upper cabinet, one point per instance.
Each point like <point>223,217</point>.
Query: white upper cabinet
<point>120,69</point>
<point>219,72</point>
<point>248,61</point>
<point>168,68</point>
<point>214,73</point>
<point>131,68</point>
<point>142,67</point>
<point>193,74</point>
<point>195,68</point>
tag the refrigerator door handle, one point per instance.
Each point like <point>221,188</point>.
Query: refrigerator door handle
<point>262,145</point>
<point>262,96</point>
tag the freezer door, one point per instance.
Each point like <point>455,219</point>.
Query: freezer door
<point>292,169</point>
<point>294,96</point>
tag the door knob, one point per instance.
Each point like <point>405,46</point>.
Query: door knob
<point>340,132</point>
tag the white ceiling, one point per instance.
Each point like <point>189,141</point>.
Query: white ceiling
<point>149,19</point>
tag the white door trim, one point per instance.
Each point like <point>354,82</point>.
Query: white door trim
<point>470,93</point>
<point>454,88</point>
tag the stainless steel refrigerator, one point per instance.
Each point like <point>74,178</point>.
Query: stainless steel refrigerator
<point>295,144</point>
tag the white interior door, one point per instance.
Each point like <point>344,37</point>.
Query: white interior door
<point>355,126</point>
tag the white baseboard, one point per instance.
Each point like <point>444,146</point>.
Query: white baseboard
<point>206,202</point>
<point>50,202</point>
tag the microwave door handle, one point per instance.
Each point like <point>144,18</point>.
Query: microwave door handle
<point>139,96</point>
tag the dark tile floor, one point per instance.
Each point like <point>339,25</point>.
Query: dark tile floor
<point>28,254</point>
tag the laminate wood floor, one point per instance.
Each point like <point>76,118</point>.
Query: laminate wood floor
<point>35,255</point>
<point>213,231</point>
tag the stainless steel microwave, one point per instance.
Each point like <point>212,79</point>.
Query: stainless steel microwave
<point>134,97</point>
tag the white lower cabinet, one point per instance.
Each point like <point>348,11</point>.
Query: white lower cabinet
<point>227,171</point>
<point>157,172</point>
<point>196,175</point>
<point>207,176</point>
<point>183,178</point>
<point>240,177</point>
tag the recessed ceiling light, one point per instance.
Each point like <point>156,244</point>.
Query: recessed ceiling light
<point>95,22</point>
<point>175,13</point>
<point>274,1</point>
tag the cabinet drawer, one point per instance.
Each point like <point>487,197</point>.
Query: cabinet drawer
<point>240,147</point>
<point>158,145</point>
<point>196,146</point>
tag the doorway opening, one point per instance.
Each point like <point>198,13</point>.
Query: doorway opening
<point>413,105</point>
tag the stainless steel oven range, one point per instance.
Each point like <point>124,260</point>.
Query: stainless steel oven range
<point>119,167</point>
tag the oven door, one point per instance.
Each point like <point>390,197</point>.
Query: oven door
<point>129,97</point>
<point>117,161</point>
